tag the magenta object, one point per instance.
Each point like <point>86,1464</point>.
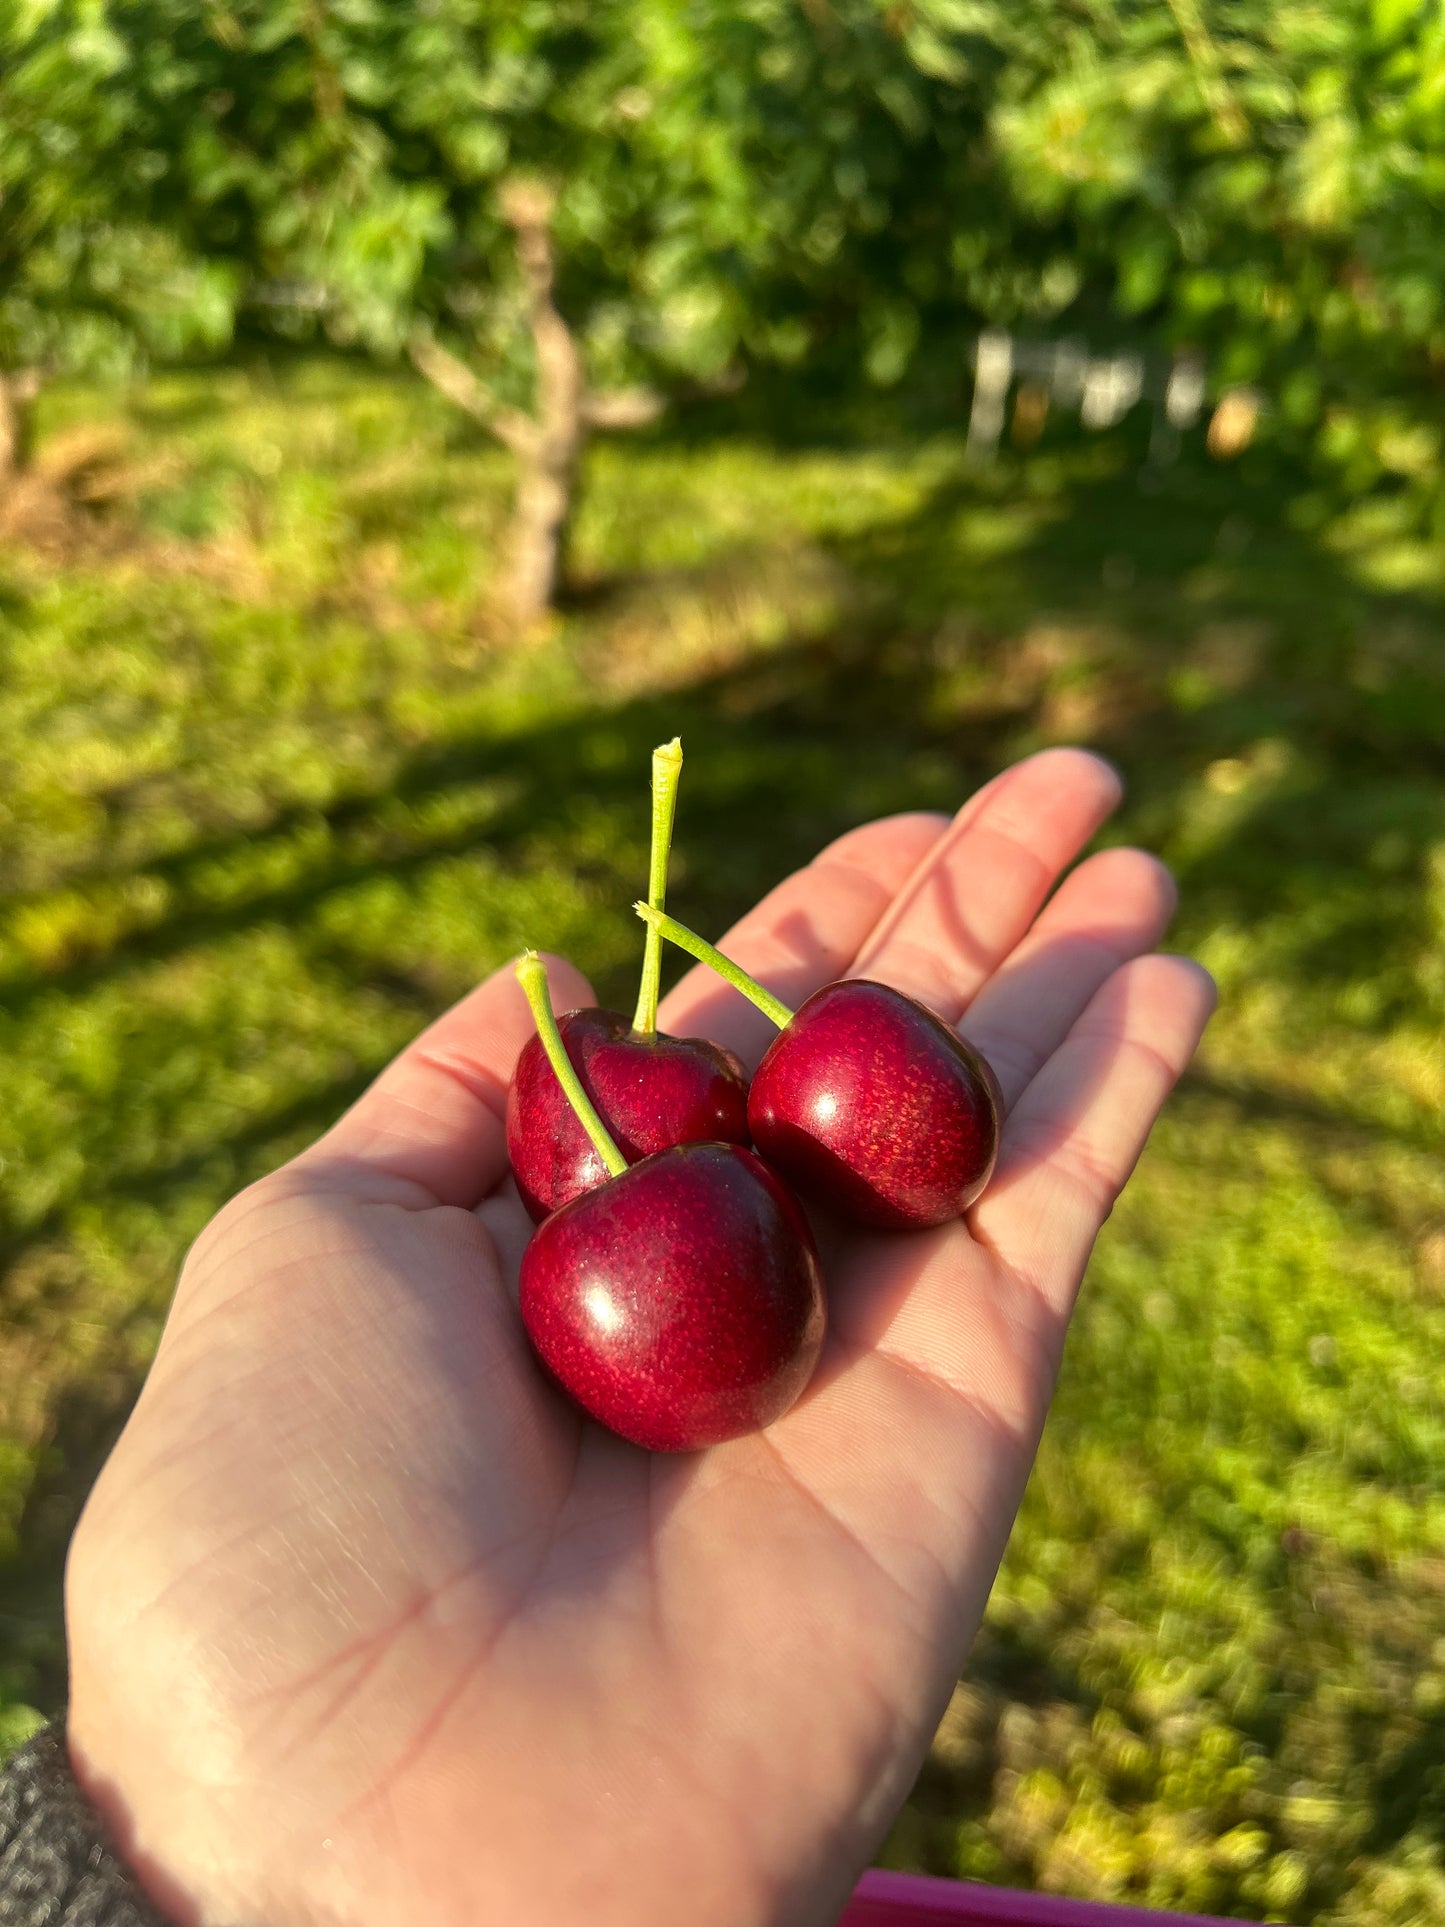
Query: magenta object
<point>917,1900</point>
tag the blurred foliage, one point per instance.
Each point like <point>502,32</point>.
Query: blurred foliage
<point>1262,179</point>
<point>274,798</point>
<point>728,176</point>
<point>97,268</point>
<point>849,185</point>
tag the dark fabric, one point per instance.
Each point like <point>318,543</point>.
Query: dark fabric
<point>57,1868</point>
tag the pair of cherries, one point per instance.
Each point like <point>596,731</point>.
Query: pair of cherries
<point>673,1288</point>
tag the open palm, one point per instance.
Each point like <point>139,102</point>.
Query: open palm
<point>368,1626</point>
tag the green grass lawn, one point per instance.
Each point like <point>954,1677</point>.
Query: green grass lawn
<point>275,792</point>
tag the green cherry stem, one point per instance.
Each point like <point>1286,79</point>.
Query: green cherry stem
<point>772,1007</point>
<point>532,976</point>
<point>666,773</point>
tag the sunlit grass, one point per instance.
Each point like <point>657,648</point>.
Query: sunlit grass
<point>278,788</point>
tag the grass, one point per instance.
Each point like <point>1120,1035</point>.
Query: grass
<point>277,793</point>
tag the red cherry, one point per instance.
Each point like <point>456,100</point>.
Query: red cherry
<point>872,1104</point>
<point>652,1093</point>
<point>680,1303</point>
<point>865,1097</point>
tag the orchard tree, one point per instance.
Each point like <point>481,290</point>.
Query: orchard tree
<point>90,280</point>
<point>1262,178</point>
<point>635,196</point>
<point>547,438</point>
<point>566,213</point>
<point>563,212</point>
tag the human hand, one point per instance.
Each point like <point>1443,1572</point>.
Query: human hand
<point>368,1626</point>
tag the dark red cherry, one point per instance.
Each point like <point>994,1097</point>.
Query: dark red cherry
<point>652,1094</point>
<point>681,1303</point>
<point>871,1104</point>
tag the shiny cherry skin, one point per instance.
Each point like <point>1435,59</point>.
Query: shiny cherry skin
<point>869,1103</point>
<point>681,1303</point>
<point>651,1093</point>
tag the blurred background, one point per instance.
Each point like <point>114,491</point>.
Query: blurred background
<point>411,413</point>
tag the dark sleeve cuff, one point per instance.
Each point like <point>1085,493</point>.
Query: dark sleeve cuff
<point>57,1867</point>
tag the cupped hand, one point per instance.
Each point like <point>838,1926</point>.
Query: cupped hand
<point>367,1626</point>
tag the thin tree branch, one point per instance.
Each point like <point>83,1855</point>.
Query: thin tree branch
<point>1203,53</point>
<point>326,85</point>
<point>547,479</point>
<point>17,391</point>
<point>623,408</point>
<point>640,407</point>
<point>451,377</point>
<point>527,206</point>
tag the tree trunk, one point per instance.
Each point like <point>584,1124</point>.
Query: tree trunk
<point>549,459</point>
<point>537,544</point>
<point>548,441</point>
<point>13,435</point>
<point>17,393</point>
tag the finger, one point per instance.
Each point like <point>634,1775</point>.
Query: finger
<point>1077,1131</point>
<point>435,1116</point>
<point>1115,906</point>
<point>804,933</point>
<point>979,888</point>
<point>511,1231</point>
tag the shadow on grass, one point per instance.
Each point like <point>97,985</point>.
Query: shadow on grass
<point>962,659</point>
<point>1235,670</point>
